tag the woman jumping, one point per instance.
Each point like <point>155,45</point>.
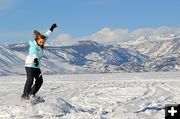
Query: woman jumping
<point>32,63</point>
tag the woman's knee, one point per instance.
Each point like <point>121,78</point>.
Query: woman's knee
<point>39,80</point>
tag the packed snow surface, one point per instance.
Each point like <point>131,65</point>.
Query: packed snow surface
<point>93,96</point>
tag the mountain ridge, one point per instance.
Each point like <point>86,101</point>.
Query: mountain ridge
<point>93,57</point>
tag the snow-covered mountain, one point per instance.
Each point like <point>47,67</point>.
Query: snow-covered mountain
<point>164,52</point>
<point>82,57</point>
<point>141,55</point>
<point>161,47</point>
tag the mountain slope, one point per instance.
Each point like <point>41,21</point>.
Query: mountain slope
<point>141,55</point>
<point>164,53</point>
<point>82,57</point>
<point>156,48</point>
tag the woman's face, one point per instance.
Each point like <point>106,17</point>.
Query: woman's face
<point>41,42</point>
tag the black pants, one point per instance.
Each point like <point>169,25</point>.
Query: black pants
<point>29,88</point>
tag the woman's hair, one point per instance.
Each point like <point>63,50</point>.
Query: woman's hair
<point>38,35</point>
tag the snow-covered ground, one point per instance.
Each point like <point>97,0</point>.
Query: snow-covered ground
<point>93,96</point>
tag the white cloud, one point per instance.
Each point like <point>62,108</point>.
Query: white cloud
<point>154,33</point>
<point>63,39</point>
<point>107,35</point>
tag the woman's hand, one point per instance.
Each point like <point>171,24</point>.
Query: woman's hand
<point>36,62</point>
<point>53,27</point>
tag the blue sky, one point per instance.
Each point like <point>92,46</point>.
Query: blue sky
<point>18,18</point>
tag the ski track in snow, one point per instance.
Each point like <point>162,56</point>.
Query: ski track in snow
<point>93,96</point>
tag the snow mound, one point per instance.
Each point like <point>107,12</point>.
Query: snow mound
<point>54,107</point>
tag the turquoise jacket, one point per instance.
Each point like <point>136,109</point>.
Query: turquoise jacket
<point>35,51</point>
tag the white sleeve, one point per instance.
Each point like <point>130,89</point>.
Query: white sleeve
<point>47,33</point>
